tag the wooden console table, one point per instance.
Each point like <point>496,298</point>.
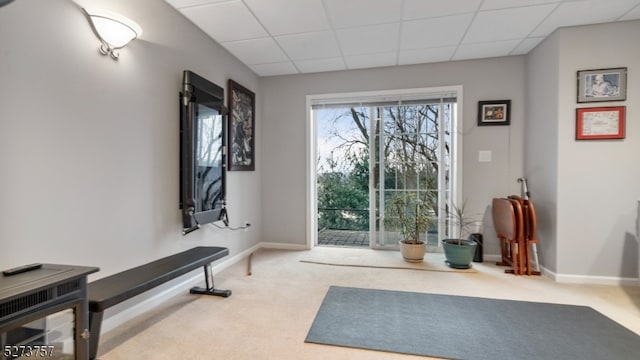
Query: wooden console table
<point>36,294</point>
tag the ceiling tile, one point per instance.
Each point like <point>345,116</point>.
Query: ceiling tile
<point>426,55</point>
<point>633,14</point>
<point>485,50</point>
<point>584,12</point>
<point>309,45</point>
<point>504,4</point>
<point>221,21</point>
<point>276,37</point>
<point>256,51</point>
<point>369,39</point>
<point>318,65</point>
<point>438,32</point>
<point>290,16</point>
<point>526,45</point>
<point>350,13</point>
<point>491,25</point>
<point>282,68</point>
<point>371,60</point>
<point>178,4</point>
<point>417,9</point>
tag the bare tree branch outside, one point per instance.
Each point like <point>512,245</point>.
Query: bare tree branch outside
<point>411,150</point>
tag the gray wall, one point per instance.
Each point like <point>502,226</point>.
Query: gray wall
<point>586,191</point>
<point>89,146</point>
<point>598,180</point>
<point>284,137</point>
<point>541,144</point>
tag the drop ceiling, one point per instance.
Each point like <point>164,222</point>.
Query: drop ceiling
<point>278,37</point>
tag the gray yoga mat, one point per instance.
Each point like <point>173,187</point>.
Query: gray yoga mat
<point>461,327</point>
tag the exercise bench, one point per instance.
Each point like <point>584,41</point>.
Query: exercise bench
<point>114,289</point>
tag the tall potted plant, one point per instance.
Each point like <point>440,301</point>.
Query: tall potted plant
<point>411,217</point>
<point>459,252</point>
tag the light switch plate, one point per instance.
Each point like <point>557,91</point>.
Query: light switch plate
<point>484,156</point>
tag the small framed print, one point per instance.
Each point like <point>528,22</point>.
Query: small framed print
<point>602,85</point>
<point>494,112</point>
<point>600,123</point>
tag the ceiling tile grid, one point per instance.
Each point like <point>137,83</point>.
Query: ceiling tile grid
<point>321,65</point>
<point>434,32</point>
<point>306,46</point>
<point>371,60</point>
<point>506,24</point>
<point>257,51</point>
<point>352,13</point>
<point>279,37</point>
<point>369,39</point>
<point>281,17</point>
<point>219,20</point>
<point>420,9</point>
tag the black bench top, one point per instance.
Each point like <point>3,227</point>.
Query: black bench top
<point>111,290</point>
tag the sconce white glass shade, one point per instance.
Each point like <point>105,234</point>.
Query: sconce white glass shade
<point>114,30</point>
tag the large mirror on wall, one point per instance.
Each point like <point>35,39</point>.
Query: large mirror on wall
<point>202,152</point>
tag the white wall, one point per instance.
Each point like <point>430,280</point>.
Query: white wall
<point>89,146</point>
<point>586,191</point>
<point>284,137</point>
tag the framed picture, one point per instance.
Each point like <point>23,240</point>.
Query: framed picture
<point>602,85</point>
<point>241,127</point>
<point>600,123</point>
<point>494,112</point>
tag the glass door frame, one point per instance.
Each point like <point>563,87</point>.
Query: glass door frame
<point>348,98</point>
<point>377,196</point>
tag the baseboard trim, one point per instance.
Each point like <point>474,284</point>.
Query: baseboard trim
<point>282,246</point>
<point>114,318</point>
<point>590,279</point>
<point>578,279</point>
<point>491,258</point>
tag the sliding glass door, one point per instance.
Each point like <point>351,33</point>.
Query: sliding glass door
<point>412,152</point>
<point>372,151</point>
<point>342,176</point>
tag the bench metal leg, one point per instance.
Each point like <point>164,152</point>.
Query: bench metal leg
<point>209,290</point>
<point>95,322</point>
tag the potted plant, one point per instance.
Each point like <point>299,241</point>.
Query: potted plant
<point>459,252</point>
<point>411,217</point>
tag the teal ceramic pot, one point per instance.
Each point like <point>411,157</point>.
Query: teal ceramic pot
<point>459,256</point>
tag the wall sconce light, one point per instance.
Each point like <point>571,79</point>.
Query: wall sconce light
<point>114,30</point>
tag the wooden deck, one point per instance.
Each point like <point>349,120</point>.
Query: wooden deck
<point>356,238</point>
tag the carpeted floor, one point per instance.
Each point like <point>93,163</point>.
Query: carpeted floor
<point>463,327</point>
<point>271,311</point>
<point>384,259</point>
